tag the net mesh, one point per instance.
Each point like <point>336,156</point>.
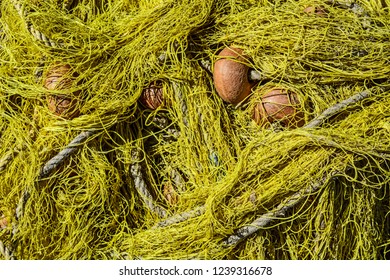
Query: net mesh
<point>197,178</point>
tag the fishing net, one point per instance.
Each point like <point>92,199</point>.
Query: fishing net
<point>90,169</point>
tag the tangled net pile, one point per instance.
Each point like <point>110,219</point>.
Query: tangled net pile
<point>196,178</point>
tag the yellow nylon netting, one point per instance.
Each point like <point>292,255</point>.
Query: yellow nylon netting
<point>196,178</point>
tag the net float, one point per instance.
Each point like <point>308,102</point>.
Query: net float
<point>319,11</point>
<point>152,96</point>
<point>59,78</point>
<point>279,105</point>
<point>3,222</point>
<point>170,194</point>
<point>231,76</point>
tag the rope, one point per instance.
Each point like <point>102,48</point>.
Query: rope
<point>178,218</point>
<point>337,108</point>
<point>19,148</point>
<point>279,212</point>
<point>163,124</point>
<point>69,150</point>
<point>51,165</point>
<point>266,218</point>
<point>36,33</point>
<point>141,186</point>
<point>7,159</point>
<point>253,75</point>
<point>182,103</point>
<point>6,252</point>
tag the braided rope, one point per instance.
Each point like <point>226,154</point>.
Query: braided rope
<point>253,75</point>
<point>141,186</point>
<point>6,252</point>
<point>266,218</point>
<point>296,198</point>
<point>278,212</point>
<point>69,150</point>
<point>206,65</point>
<point>163,124</point>
<point>34,32</point>
<point>181,217</point>
<point>51,165</point>
<point>11,154</point>
<point>7,159</point>
<point>183,105</point>
<point>335,109</point>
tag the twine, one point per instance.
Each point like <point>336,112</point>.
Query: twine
<point>36,33</point>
